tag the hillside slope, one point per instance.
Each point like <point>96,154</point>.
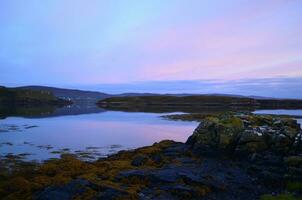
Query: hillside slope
<point>72,94</point>
<point>17,97</point>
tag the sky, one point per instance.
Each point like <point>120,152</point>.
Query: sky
<point>192,46</point>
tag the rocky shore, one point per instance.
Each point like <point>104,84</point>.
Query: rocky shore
<point>229,156</point>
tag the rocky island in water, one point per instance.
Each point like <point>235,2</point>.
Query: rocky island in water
<point>229,156</point>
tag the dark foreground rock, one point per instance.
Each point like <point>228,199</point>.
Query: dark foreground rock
<point>227,157</point>
<point>68,191</point>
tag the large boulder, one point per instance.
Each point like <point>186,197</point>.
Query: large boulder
<point>246,135</point>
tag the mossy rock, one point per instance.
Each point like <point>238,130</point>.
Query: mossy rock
<point>295,161</point>
<point>245,134</point>
<point>294,186</point>
<point>279,197</point>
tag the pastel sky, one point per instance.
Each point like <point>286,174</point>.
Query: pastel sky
<point>86,43</point>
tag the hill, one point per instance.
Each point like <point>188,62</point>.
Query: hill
<point>18,97</point>
<point>77,96</point>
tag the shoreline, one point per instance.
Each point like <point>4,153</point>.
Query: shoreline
<point>198,117</point>
<point>203,167</point>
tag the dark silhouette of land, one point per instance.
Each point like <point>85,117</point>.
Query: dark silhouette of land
<point>195,103</point>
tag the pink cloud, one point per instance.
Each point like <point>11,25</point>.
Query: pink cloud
<point>224,48</point>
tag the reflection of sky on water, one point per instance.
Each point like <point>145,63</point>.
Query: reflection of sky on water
<point>130,130</point>
<point>97,130</point>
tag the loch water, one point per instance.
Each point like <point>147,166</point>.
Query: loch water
<point>93,130</point>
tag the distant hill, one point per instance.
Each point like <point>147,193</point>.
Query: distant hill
<point>18,97</point>
<point>93,96</point>
<point>84,97</point>
<point>77,96</point>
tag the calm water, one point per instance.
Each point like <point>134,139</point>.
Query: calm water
<point>99,132</point>
<point>108,132</point>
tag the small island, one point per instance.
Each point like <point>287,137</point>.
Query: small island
<point>194,103</point>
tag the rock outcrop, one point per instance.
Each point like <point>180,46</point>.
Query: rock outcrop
<point>246,135</point>
<point>269,147</point>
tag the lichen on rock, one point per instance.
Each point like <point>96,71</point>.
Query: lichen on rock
<point>246,134</point>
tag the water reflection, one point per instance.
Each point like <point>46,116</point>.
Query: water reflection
<point>45,132</point>
<point>47,111</point>
<point>25,111</point>
<point>102,130</point>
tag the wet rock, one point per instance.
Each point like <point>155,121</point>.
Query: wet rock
<point>175,150</point>
<point>165,175</point>
<point>64,192</point>
<point>110,193</point>
<point>139,160</point>
<point>181,191</point>
<point>157,158</point>
<point>193,180</point>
